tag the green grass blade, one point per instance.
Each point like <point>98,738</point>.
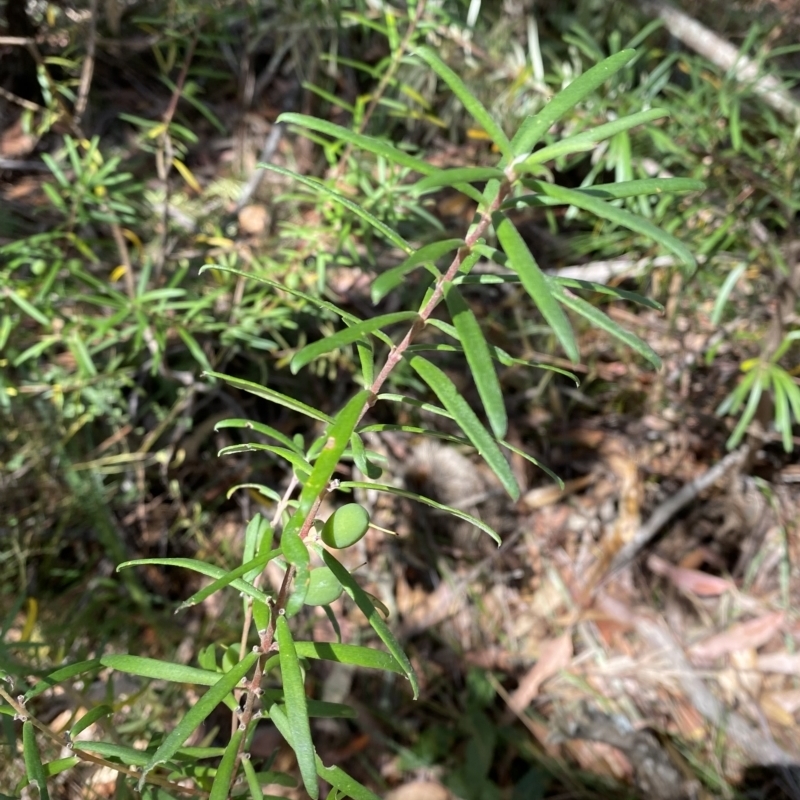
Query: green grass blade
<point>34,768</point>
<point>197,713</point>
<point>346,336</point>
<point>224,776</point>
<point>475,108</point>
<point>272,395</point>
<point>356,655</point>
<point>451,399</point>
<point>479,359</point>
<point>533,279</point>
<point>430,253</point>
<point>320,188</point>
<point>613,291</point>
<point>600,320</point>
<point>296,709</point>
<point>534,128</point>
<point>362,600</point>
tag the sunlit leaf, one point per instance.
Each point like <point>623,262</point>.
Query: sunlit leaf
<point>479,359</point>
<point>296,710</point>
<point>533,279</point>
<point>362,600</point>
<point>346,336</point>
<point>428,254</point>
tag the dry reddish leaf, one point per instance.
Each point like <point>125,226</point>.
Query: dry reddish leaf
<point>554,656</point>
<point>783,663</point>
<point>744,635</point>
<point>787,699</point>
<point>689,722</point>
<point>549,494</point>
<point>420,790</point>
<point>601,759</point>
<point>691,581</point>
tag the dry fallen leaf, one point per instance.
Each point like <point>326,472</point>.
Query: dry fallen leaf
<point>554,656</point>
<point>691,581</point>
<point>420,790</point>
<point>744,635</point>
<point>253,220</point>
<point>783,663</point>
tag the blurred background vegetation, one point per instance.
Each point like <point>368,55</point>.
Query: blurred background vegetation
<point>130,134</point>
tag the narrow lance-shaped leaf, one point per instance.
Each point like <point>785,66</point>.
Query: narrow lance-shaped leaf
<point>386,281</point>
<point>479,359</point>
<point>456,512</point>
<point>343,783</point>
<point>272,395</point>
<point>619,216</point>
<point>89,718</point>
<point>296,710</point>
<point>33,761</point>
<point>202,567</point>
<point>357,655</point>
<point>62,674</point>
<point>197,713</point>
<point>296,554</point>
<point>224,776</point>
<point>320,188</point>
<point>534,128</point>
<point>346,336</point>
<point>259,427</point>
<point>362,600</point>
<point>475,108</point>
<point>451,399</point>
<point>586,140</point>
<point>452,177</point>
<point>337,437</point>
<point>533,279</point>
<point>604,322</point>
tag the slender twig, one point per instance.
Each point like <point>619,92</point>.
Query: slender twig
<point>87,69</point>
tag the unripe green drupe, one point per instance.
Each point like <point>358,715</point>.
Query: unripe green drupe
<point>345,526</point>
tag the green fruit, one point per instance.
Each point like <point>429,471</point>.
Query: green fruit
<point>323,587</point>
<point>345,526</point>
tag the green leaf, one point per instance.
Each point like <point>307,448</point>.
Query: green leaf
<point>297,461</point>
<point>471,103</point>
<point>33,761</point>
<point>259,427</point>
<point>336,437</point>
<point>225,771</point>
<point>296,554</point>
<point>127,755</point>
<point>534,128</point>
<point>456,512</point>
<point>160,670</point>
<point>604,322</point>
<point>586,140</point>
<point>619,216</point>
<point>533,279</point>
<point>249,568</point>
<point>362,600</point>
<point>346,336</point>
<point>342,782</point>
<point>428,254</point>
<point>90,717</point>
<point>750,409</point>
<point>320,188</point>
<point>199,566</point>
<point>725,292</point>
<point>296,710</point>
<point>479,359</point>
<point>257,541</point>
<point>613,291</point>
<point>614,191</point>
<point>452,177</point>
<point>197,713</point>
<point>272,395</point>
<point>62,674</point>
<point>452,400</point>
<point>356,655</point>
